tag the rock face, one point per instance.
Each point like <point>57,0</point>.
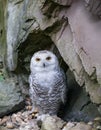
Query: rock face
<point>52,123</point>
<point>11,99</point>
<point>79,106</point>
<point>74,29</point>
<point>94,7</point>
<point>79,126</point>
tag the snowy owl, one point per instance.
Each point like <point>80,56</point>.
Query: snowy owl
<point>47,83</point>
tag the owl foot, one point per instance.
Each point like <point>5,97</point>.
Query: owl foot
<point>34,110</point>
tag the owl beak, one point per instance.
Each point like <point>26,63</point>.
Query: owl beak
<point>44,65</point>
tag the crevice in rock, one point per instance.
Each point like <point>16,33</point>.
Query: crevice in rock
<point>29,20</point>
<point>18,2</point>
<point>78,103</point>
<point>85,105</point>
<point>34,42</point>
<point>52,8</point>
<point>1,31</point>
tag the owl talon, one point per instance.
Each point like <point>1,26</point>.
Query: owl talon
<point>33,111</point>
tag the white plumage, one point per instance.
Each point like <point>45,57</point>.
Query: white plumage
<point>47,82</point>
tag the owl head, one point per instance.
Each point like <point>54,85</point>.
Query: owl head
<point>43,61</point>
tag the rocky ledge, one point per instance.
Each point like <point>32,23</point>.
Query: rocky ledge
<point>23,120</point>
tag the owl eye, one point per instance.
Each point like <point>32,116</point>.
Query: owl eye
<point>48,58</point>
<point>37,59</point>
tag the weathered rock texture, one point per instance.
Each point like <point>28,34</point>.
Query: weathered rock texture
<point>66,23</point>
<point>54,123</point>
<point>10,97</point>
<point>79,106</point>
<point>94,6</point>
<point>2,36</point>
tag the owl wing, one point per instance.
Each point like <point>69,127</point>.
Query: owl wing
<point>30,80</point>
<point>64,86</point>
<point>31,90</point>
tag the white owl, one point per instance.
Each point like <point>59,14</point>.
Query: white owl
<point>47,83</point>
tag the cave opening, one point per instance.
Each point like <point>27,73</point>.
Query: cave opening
<point>78,106</point>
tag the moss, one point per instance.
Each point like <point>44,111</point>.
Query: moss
<point>3,32</point>
<point>2,27</point>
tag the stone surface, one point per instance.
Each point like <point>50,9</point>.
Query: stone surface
<point>2,28</point>
<point>79,126</point>
<point>3,48</point>
<point>22,20</point>
<point>11,99</point>
<point>94,6</point>
<point>47,123</point>
<point>85,48</point>
<point>78,107</point>
<point>52,123</point>
<point>77,43</point>
<point>32,125</point>
<point>63,2</point>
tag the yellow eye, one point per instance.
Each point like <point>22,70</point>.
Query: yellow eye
<point>37,59</point>
<point>48,58</point>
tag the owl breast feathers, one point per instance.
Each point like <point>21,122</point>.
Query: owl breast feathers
<point>47,83</point>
